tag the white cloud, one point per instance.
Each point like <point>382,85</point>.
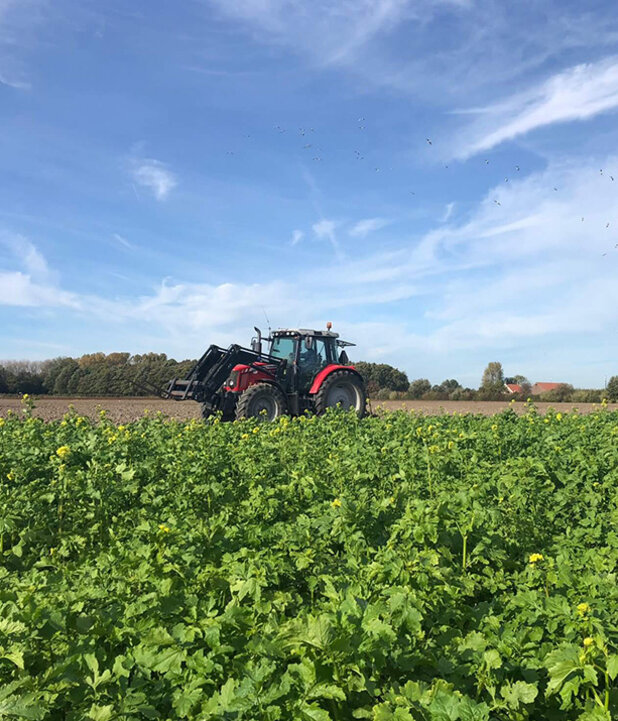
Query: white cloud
<point>19,289</point>
<point>155,176</point>
<point>578,93</point>
<point>13,82</point>
<point>34,284</point>
<point>297,236</point>
<point>123,241</point>
<point>448,212</point>
<point>368,225</point>
<point>326,230</point>
<point>331,31</point>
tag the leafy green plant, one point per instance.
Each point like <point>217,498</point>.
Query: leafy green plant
<point>401,567</point>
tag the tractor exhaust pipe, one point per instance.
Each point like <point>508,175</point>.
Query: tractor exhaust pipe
<point>256,343</point>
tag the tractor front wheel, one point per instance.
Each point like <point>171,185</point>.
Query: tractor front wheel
<point>261,400</point>
<point>342,388</point>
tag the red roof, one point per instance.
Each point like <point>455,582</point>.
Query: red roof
<point>544,387</point>
<point>513,387</point>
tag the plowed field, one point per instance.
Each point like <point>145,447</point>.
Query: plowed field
<point>129,409</point>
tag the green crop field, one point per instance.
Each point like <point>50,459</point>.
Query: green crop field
<point>402,567</point>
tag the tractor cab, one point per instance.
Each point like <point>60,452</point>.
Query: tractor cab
<point>306,352</point>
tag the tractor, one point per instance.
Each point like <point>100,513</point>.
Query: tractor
<point>302,370</point>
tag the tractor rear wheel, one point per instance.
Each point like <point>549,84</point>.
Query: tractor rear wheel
<point>341,388</point>
<point>261,400</point>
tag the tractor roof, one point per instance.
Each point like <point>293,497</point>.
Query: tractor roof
<point>305,331</point>
<point>302,332</point>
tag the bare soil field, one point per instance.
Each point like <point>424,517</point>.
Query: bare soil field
<point>123,410</point>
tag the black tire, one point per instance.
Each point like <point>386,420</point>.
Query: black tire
<point>262,400</point>
<point>342,388</point>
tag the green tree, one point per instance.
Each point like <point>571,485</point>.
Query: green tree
<point>493,377</point>
<point>419,387</point>
<point>564,392</point>
<point>612,389</point>
<point>383,375</point>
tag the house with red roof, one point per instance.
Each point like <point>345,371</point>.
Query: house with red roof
<point>513,387</point>
<point>539,388</point>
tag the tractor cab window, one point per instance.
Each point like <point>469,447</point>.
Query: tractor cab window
<point>284,347</point>
<point>313,357</point>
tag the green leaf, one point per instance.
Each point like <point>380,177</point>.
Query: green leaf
<point>444,707</point>
<point>100,713</point>
<point>492,659</point>
<point>612,666</point>
<point>22,707</point>
<point>315,713</point>
<point>17,657</point>
<point>327,690</point>
<point>519,693</point>
<point>560,665</point>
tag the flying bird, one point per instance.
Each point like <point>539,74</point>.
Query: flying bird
<point>497,202</point>
<point>611,176</point>
<point>429,141</point>
<point>556,189</point>
<point>607,225</point>
<point>517,167</point>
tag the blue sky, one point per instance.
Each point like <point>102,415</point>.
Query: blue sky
<point>433,176</point>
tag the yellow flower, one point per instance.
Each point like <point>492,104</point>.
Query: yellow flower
<point>63,451</point>
<point>25,397</point>
<point>535,557</point>
<point>450,445</point>
<point>583,609</point>
<point>256,429</point>
<point>588,641</point>
<point>1,422</point>
<point>245,436</point>
<point>558,416</point>
<point>336,503</point>
<point>10,475</point>
<point>164,528</point>
<point>494,427</point>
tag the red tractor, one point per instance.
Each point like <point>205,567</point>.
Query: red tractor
<point>303,370</point>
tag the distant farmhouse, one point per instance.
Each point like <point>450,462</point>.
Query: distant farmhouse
<point>537,388</point>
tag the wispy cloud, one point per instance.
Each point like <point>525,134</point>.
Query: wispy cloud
<point>154,176</point>
<point>297,236</point>
<point>13,82</point>
<point>364,227</point>
<point>123,241</point>
<point>326,229</point>
<point>330,32</point>
<point>34,284</point>
<point>579,93</point>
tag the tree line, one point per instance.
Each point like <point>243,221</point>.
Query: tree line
<point>123,374</point>
<point>94,374</point>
